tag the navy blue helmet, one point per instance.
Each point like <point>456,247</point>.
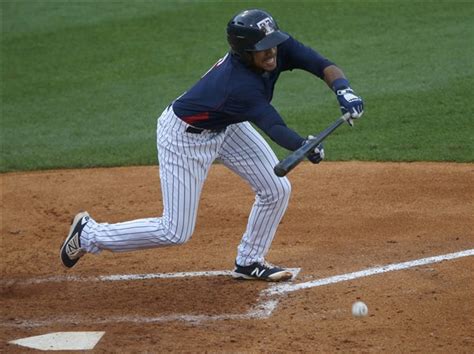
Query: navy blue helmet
<point>253,30</point>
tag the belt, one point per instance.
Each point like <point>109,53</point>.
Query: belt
<point>194,130</point>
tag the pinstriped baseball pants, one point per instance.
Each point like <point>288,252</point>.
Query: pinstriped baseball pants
<point>184,161</point>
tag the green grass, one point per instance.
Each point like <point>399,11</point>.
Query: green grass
<point>83,82</point>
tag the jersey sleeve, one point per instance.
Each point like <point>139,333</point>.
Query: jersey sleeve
<point>253,106</point>
<point>274,126</point>
<point>298,56</point>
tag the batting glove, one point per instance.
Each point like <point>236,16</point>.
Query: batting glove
<point>349,102</point>
<point>317,155</point>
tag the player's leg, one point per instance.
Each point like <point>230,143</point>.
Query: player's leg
<point>184,163</point>
<point>249,155</point>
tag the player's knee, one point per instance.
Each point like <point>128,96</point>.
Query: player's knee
<point>285,188</point>
<point>177,231</point>
<point>279,192</point>
<point>179,237</point>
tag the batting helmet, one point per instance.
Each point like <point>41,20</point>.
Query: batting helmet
<point>253,30</point>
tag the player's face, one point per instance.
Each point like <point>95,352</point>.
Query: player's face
<point>265,59</point>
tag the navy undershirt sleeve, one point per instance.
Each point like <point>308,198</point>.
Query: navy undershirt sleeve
<point>252,104</point>
<point>273,125</point>
<point>298,56</point>
<point>285,137</point>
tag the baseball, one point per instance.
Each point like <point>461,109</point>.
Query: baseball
<point>359,309</point>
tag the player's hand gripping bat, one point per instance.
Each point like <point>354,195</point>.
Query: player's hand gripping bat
<point>292,160</point>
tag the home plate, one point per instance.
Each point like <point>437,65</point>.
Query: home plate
<point>61,341</point>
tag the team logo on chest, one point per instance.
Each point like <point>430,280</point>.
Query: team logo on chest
<point>267,25</point>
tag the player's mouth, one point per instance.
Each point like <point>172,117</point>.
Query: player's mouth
<point>270,63</point>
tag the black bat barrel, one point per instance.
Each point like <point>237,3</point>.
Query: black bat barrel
<point>292,160</point>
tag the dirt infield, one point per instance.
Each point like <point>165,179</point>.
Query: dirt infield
<point>342,218</point>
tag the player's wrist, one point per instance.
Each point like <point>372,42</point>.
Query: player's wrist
<point>340,84</point>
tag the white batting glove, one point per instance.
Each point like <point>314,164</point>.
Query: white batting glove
<point>317,155</point>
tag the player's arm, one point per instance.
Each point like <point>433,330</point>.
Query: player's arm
<point>298,56</point>
<point>274,126</point>
<point>331,73</point>
<point>349,102</point>
<point>249,101</point>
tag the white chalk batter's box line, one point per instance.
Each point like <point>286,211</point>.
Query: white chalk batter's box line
<point>266,303</point>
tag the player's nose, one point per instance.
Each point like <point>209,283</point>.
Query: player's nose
<point>271,51</point>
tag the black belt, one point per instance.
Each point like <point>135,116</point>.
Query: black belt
<point>194,130</point>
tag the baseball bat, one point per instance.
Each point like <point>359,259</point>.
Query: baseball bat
<point>292,160</point>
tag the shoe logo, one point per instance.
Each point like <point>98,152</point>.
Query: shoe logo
<point>255,272</point>
<point>73,246</point>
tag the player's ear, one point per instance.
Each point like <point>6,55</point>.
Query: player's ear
<point>250,58</point>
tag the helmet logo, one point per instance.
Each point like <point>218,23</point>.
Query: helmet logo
<point>267,25</point>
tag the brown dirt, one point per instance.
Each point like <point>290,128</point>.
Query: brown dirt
<point>343,217</point>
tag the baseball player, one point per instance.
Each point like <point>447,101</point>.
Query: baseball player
<point>212,122</point>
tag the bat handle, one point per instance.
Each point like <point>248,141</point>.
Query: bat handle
<point>348,119</point>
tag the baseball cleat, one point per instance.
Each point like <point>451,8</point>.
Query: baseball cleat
<point>71,250</point>
<point>261,271</point>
